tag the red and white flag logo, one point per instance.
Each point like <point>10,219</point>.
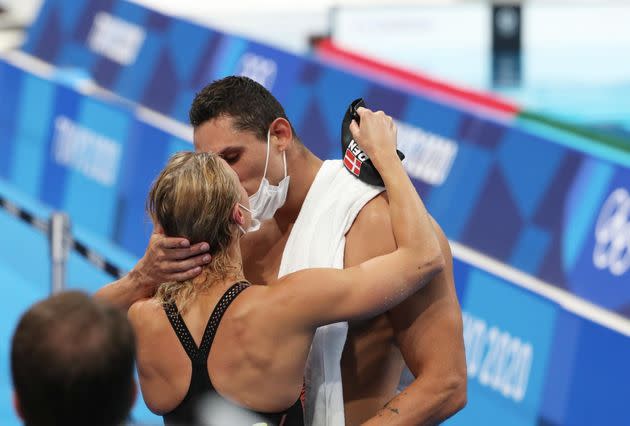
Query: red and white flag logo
<point>352,163</point>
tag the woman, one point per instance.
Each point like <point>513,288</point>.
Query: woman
<point>261,342</point>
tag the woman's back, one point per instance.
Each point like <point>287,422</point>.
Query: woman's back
<point>248,363</point>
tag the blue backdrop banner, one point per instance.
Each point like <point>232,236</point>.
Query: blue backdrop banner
<point>531,362</point>
<point>93,159</point>
<point>542,201</point>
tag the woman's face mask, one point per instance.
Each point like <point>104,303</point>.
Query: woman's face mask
<point>254,226</point>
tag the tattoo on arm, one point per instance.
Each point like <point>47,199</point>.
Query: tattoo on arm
<point>392,409</point>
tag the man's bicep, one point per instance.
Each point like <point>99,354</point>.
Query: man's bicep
<point>428,325</point>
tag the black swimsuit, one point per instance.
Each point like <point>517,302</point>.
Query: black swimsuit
<point>200,383</point>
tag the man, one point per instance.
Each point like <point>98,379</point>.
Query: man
<point>72,362</point>
<point>235,117</point>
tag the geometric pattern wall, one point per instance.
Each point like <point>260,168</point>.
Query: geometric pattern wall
<point>527,198</point>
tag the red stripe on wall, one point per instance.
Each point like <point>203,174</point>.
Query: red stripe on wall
<point>328,51</point>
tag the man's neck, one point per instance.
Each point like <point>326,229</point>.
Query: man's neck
<point>302,166</point>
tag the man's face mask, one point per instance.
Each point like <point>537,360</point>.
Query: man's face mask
<point>269,198</point>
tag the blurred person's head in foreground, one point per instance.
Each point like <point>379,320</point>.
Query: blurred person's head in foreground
<point>72,362</point>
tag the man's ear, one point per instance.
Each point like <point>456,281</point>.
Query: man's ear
<point>237,215</point>
<point>281,134</point>
<point>16,405</point>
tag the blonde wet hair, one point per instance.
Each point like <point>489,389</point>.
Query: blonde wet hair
<point>193,197</point>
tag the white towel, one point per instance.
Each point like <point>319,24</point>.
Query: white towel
<point>318,240</point>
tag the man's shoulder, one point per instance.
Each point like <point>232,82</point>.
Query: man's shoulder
<point>371,233</point>
<point>375,219</point>
<point>375,213</point>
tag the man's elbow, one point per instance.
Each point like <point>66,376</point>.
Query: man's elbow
<point>439,262</point>
<point>433,265</point>
<point>435,256</point>
<point>457,394</point>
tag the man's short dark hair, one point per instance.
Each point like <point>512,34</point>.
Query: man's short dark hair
<point>252,107</point>
<point>72,362</point>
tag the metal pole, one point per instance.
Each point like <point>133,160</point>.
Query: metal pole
<point>59,236</point>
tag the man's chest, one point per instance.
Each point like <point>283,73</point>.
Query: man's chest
<point>262,259</point>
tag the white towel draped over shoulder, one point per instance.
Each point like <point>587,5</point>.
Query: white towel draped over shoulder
<point>318,240</point>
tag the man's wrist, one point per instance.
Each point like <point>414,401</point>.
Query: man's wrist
<point>139,284</point>
<point>384,157</point>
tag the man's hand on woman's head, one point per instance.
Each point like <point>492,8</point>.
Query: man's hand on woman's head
<point>169,259</point>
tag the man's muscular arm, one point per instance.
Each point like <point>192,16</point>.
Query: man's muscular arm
<point>428,329</point>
